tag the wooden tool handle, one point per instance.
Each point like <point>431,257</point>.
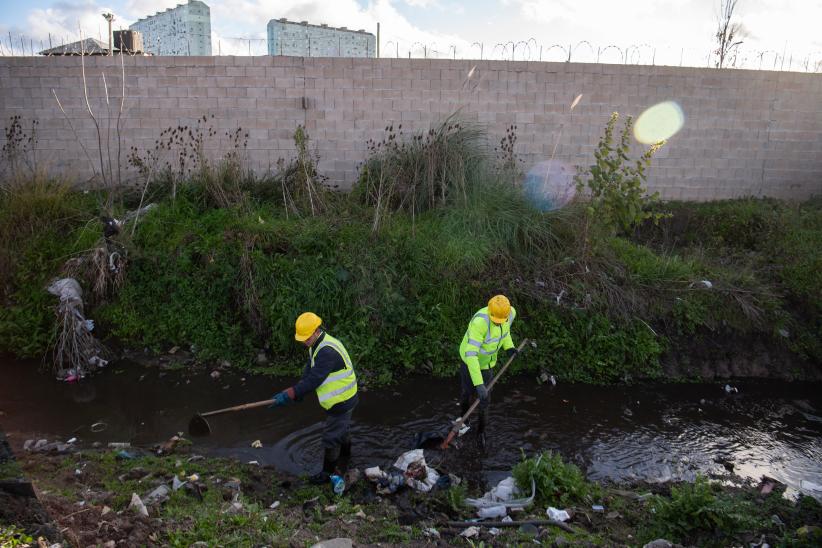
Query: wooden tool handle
<point>260,403</point>
<point>458,424</point>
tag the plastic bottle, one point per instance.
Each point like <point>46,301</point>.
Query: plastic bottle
<point>337,484</point>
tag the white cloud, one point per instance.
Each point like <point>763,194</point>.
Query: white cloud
<point>670,28</point>
<point>65,22</point>
<point>421,3</point>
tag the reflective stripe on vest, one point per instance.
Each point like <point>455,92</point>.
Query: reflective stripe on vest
<point>489,345</point>
<point>340,385</point>
<point>488,338</point>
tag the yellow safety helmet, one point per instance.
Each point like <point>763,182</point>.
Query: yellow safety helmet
<point>306,325</point>
<point>499,308</point>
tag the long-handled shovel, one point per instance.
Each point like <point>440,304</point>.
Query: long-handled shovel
<point>459,422</point>
<point>198,426</point>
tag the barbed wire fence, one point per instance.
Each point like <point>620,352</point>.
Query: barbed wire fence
<point>583,51</point>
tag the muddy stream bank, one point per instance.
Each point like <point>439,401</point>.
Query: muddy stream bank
<point>655,432</point>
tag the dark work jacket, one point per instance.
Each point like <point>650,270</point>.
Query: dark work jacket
<point>327,361</point>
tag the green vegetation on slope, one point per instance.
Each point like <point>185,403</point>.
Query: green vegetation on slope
<point>226,261</point>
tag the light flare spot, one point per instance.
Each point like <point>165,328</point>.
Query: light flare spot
<point>549,185</point>
<point>659,123</point>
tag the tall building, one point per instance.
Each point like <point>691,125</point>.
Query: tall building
<point>184,30</point>
<point>304,40</point>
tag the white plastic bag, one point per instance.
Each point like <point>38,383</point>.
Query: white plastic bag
<point>557,515</point>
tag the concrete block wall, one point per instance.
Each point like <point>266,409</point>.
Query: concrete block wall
<point>745,133</point>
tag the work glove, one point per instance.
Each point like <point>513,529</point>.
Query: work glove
<point>280,399</point>
<point>482,394</point>
<point>512,352</point>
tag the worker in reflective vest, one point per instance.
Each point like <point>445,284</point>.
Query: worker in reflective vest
<point>489,331</point>
<point>330,373</point>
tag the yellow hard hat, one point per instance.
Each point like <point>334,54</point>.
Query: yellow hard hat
<point>306,325</point>
<point>499,308</point>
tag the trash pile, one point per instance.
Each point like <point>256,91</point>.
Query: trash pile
<point>410,470</point>
<point>76,350</point>
<point>496,502</point>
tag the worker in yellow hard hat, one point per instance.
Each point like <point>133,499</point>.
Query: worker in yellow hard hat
<point>330,373</point>
<point>489,331</point>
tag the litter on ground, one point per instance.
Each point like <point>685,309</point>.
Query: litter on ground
<point>503,495</point>
<point>557,514</point>
<point>410,469</point>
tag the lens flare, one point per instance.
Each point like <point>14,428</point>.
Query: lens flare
<point>550,185</point>
<point>659,123</point>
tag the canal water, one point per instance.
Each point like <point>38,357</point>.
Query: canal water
<point>649,432</point>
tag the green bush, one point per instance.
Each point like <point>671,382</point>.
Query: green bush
<point>557,483</point>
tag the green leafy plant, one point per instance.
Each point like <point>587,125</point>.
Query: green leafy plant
<point>456,498</point>
<point>12,537</point>
<point>557,483</point>
<point>618,199</point>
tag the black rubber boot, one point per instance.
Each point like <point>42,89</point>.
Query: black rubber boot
<point>330,457</point>
<point>345,455</point>
<point>345,448</point>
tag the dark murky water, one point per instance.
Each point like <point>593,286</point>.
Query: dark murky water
<point>653,433</point>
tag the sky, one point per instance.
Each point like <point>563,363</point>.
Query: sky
<point>646,31</point>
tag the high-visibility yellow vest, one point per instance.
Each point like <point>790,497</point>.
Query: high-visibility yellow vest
<point>483,340</point>
<point>340,385</point>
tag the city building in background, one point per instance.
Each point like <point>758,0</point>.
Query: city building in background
<point>128,42</point>
<point>305,40</point>
<point>184,30</point>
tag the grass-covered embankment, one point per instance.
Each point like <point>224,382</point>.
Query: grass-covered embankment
<point>226,261</point>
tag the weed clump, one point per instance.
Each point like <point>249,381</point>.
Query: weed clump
<point>698,513</point>
<point>431,170</point>
<point>557,483</point>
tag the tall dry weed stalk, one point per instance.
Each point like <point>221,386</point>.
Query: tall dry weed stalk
<point>303,187</point>
<point>103,166</point>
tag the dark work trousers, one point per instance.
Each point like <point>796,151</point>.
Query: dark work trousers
<point>335,430</point>
<point>468,393</point>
